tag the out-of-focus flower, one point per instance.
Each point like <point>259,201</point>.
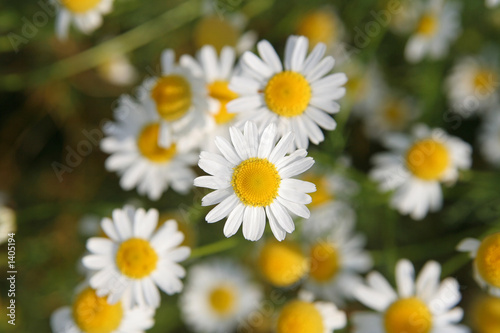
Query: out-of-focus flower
<point>252,180</point>
<point>298,97</point>
<point>406,17</point>
<point>489,136</point>
<point>135,260</point>
<point>118,71</point>
<point>86,15</point>
<point>485,314</point>
<point>486,261</point>
<point>136,156</point>
<point>92,313</point>
<point>218,296</point>
<point>437,27</point>
<point>425,305</point>
<point>417,166</point>
<point>7,221</point>
<point>321,26</point>
<point>492,3</point>
<point>216,73</point>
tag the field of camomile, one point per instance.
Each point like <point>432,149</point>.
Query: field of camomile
<point>220,166</point>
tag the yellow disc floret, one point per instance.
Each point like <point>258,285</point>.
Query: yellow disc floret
<point>428,159</point>
<point>215,31</point>
<point>80,6</point>
<point>222,300</point>
<point>486,315</point>
<point>256,182</point>
<point>300,317</point>
<point>148,145</point>
<point>287,94</point>
<point>428,25</point>
<point>93,314</point>
<point>408,315</point>
<point>172,95</point>
<point>221,92</point>
<point>485,81</point>
<point>319,27</point>
<point>488,260</point>
<point>325,261</point>
<point>282,263</point>
<point>136,258</point>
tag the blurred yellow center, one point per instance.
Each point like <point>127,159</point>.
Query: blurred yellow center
<point>287,94</point>
<point>282,263</point>
<point>428,25</point>
<point>394,113</point>
<point>408,315</point>
<point>148,145</point>
<point>485,81</point>
<point>222,300</point>
<point>80,6</point>
<point>136,258</point>
<point>323,191</point>
<point>256,182</point>
<point>172,95</point>
<point>486,315</point>
<point>300,317</point>
<point>488,259</point>
<point>428,159</point>
<point>325,261</point>
<point>221,92</point>
<point>318,27</point>
<point>215,31</point>
<point>93,314</point>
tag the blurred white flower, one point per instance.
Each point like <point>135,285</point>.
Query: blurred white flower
<point>489,136</point>
<point>118,71</point>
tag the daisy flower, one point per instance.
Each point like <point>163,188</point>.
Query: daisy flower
<point>336,260</point>
<point>179,98</point>
<point>405,18</point>
<point>489,137</point>
<point>421,306</point>
<point>134,260</point>
<point>321,26</point>
<point>92,313</point>
<point>492,3</point>
<point>132,142</point>
<point>218,296</point>
<point>297,97</point>
<point>486,261</point>
<point>305,315</point>
<point>417,167</point>
<point>252,181</point>
<point>216,73</point>
<point>485,314</point>
<point>437,27</point>
<point>86,15</point>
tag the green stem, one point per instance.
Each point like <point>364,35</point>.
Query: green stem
<point>213,248</point>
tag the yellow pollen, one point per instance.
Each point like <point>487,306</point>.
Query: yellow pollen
<point>256,182</point>
<point>428,25</point>
<point>221,92</point>
<point>428,159</point>
<point>93,314</point>
<point>172,95</point>
<point>486,315</point>
<point>148,145</point>
<point>408,315</point>
<point>222,300</point>
<point>300,317</point>
<point>287,94</point>
<point>488,260</point>
<point>80,6</point>
<point>323,191</point>
<point>486,81</point>
<point>319,27</point>
<point>136,258</point>
<point>215,31</point>
<point>282,263</point>
<point>325,261</point>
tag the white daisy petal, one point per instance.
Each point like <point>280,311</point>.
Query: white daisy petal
<point>282,217</point>
<point>268,54</point>
<point>222,209</point>
<point>405,278</point>
<point>234,220</point>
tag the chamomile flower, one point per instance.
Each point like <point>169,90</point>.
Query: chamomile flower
<point>132,142</point>
<point>437,27</point>
<point>298,96</point>
<point>422,306</point>
<point>135,260</point>
<point>492,3</point>
<point>252,181</point>
<point>91,313</point>
<point>218,296</point>
<point>417,166</point>
<point>321,25</point>
<point>216,73</point>
<point>489,137</point>
<point>405,17</point>
<point>486,261</point>
<point>485,314</point>
<point>86,15</point>
<point>179,98</point>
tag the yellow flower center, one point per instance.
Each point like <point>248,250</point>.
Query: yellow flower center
<point>256,182</point>
<point>428,25</point>
<point>319,27</point>
<point>428,159</point>
<point>394,113</point>
<point>221,92</point>
<point>93,314</point>
<point>222,300</point>
<point>325,261</point>
<point>80,6</point>
<point>287,94</point>
<point>488,259</point>
<point>215,31</point>
<point>300,317</point>
<point>172,95</point>
<point>323,191</point>
<point>485,81</point>
<point>148,145</point>
<point>486,315</point>
<point>282,263</point>
<point>408,315</point>
<point>136,258</point>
